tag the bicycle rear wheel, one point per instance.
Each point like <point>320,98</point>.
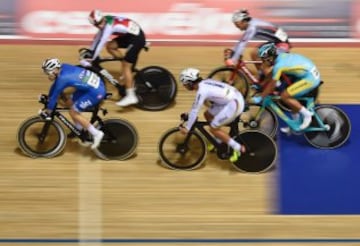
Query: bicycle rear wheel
<point>224,74</point>
<point>261,152</point>
<point>267,122</point>
<point>156,88</point>
<point>119,142</point>
<point>39,138</point>
<point>337,135</point>
<point>176,153</point>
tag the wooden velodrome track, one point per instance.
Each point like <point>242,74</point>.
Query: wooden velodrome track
<point>76,195</point>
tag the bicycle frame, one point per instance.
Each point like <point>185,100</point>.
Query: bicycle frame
<point>269,101</point>
<point>200,126</point>
<point>99,69</point>
<point>241,66</point>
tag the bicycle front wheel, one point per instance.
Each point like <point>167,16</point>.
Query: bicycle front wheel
<point>156,88</point>
<point>224,74</point>
<point>178,151</point>
<point>39,138</point>
<point>119,142</point>
<point>261,152</point>
<point>266,122</point>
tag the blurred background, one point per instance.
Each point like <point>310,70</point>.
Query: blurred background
<point>164,20</point>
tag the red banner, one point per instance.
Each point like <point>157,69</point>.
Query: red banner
<point>187,19</point>
<point>356,19</point>
<point>160,19</point>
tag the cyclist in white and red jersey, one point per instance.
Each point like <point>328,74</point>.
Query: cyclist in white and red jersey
<point>227,104</point>
<point>254,28</point>
<point>129,36</point>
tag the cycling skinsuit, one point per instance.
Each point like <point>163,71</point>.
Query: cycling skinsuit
<point>90,88</point>
<point>300,70</point>
<point>227,102</point>
<point>129,35</point>
<point>262,30</point>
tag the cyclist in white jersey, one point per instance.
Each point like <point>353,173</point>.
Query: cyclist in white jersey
<point>130,36</point>
<point>254,28</point>
<point>227,104</point>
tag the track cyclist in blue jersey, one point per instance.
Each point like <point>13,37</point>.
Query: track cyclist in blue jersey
<point>89,92</point>
<point>301,76</point>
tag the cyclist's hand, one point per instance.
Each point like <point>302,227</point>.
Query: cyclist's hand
<point>183,129</point>
<point>85,53</point>
<point>228,53</point>
<point>43,98</point>
<point>184,116</point>
<point>44,115</point>
<point>85,62</point>
<point>256,99</point>
<point>229,62</point>
<point>256,87</point>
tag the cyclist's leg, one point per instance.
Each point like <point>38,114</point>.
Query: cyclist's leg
<point>85,100</point>
<point>226,115</point>
<point>136,43</point>
<point>298,89</point>
<point>69,103</point>
<point>114,46</point>
<point>209,116</point>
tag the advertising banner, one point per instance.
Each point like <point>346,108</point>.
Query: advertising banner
<point>7,17</point>
<point>356,19</point>
<point>185,19</point>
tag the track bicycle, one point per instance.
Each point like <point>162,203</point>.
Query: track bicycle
<point>155,86</point>
<point>330,127</point>
<point>38,137</point>
<point>188,152</point>
<point>242,78</point>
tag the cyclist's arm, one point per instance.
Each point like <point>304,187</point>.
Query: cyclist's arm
<point>54,93</point>
<point>269,87</point>
<point>270,81</point>
<point>199,101</point>
<point>100,39</point>
<point>241,45</point>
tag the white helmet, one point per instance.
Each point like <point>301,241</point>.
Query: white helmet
<point>95,17</point>
<point>240,15</point>
<point>189,75</point>
<point>50,64</point>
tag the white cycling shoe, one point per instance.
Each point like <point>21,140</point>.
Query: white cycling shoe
<point>97,140</point>
<point>306,121</point>
<point>127,100</point>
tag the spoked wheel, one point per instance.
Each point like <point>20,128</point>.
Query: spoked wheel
<point>261,152</point>
<point>339,128</point>
<point>314,93</point>
<point>119,142</point>
<point>156,88</point>
<point>224,74</point>
<point>254,119</point>
<point>178,151</point>
<point>39,138</point>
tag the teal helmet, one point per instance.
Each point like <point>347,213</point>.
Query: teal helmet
<point>267,50</point>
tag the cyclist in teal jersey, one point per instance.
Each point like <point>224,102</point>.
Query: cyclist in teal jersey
<point>297,69</point>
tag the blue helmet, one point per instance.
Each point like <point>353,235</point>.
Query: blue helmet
<point>267,50</point>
